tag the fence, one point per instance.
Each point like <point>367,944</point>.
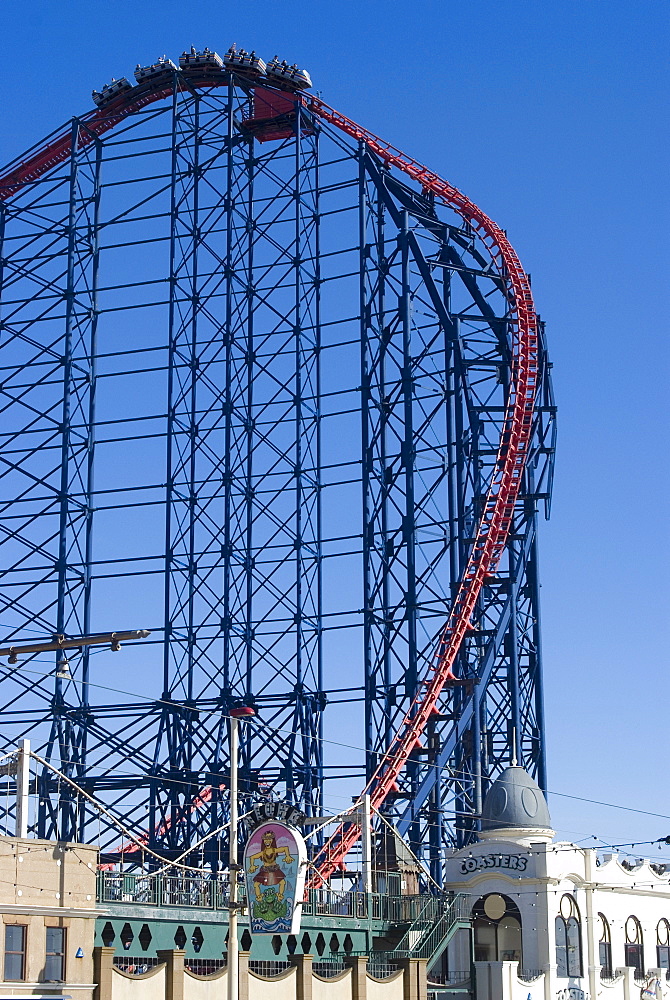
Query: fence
<point>269,968</point>
<point>135,966</point>
<point>328,970</point>
<point>212,894</point>
<point>204,966</point>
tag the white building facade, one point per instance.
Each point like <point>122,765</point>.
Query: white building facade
<point>553,921</point>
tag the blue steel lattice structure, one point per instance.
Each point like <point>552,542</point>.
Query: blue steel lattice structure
<point>254,385</point>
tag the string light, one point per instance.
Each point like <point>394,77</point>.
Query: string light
<point>555,847</point>
<point>453,773</point>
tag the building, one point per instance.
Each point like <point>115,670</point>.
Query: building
<point>72,931</point>
<point>525,917</point>
<point>48,910</point>
<point>553,920</point>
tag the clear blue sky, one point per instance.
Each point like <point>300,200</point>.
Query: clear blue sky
<point>553,116</point>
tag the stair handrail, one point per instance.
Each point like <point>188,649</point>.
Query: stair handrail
<point>430,944</point>
<point>434,933</point>
<point>421,922</point>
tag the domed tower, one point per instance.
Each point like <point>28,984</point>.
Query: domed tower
<point>516,810</point>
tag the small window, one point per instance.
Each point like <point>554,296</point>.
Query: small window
<point>144,937</point>
<point>54,966</point>
<point>15,952</point>
<point>561,948</point>
<point>108,935</point>
<point>568,940</point>
<point>634,949</point>
<point>663,944</point>
<point>605,946</point>
<point>127,937</point>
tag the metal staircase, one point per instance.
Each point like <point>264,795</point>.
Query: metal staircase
<point>433,927</point>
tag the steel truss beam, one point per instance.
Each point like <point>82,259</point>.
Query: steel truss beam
<point>297,366</point>
<point>433,450</point>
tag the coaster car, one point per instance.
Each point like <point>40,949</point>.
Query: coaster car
<point>205,63</point>
<point>243,62</point>
<point>280,74</point>
<point>162,69</point>
<point>110,91</point>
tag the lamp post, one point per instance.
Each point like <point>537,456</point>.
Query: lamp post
<point>113,639</point>
<point>236,713</point>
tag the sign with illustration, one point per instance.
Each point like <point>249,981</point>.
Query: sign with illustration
<point>275,859</point>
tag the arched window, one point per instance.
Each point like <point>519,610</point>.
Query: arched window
<point>568,939</point>
<point>497,928</point>
<point>605,946</point>
<point>634,948</point>
<point>663,944</point>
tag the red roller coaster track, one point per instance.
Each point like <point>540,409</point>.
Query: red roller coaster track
<point>494,526</point>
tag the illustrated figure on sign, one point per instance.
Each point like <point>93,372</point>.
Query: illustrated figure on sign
<point>270,873</point>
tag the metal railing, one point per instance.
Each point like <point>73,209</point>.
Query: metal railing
<point>135,966</point>
<point>431,936</point>
<point>379,963</point>
<point>429,913</point>
<point>212,894</point>
<point>328,969</point>
<point>204,966</point>
<point>446,992</point>
<point>430,942</point>
<point>163,890</point>
<point>449,978</point>
<point>382,970</point>
<point>269,969</point>
<point>529,975</point>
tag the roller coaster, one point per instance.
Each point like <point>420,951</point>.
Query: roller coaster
<point>281,389</point>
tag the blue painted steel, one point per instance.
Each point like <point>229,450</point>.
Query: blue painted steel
<point>68,738</point>
<point>255,396</point>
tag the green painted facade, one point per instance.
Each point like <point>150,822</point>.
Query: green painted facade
<point>140,915</point>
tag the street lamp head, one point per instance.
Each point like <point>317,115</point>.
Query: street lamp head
<point>63,670</point>
<point>242,711</point>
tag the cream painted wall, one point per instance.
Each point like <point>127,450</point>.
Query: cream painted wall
<point>278,989</point>
<point>332,989</point>
<point>46,884</point>
<point>208,988</point>
<point>150,986</point>
<point>154,985</point>
<point>386,989</point>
